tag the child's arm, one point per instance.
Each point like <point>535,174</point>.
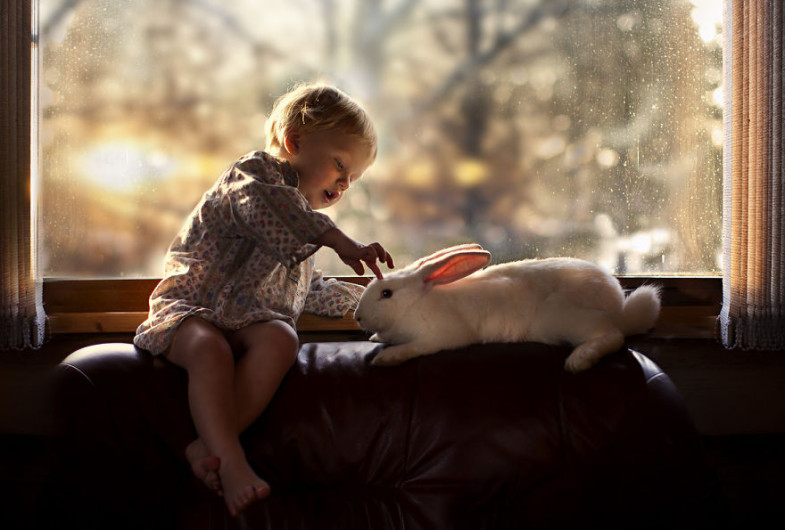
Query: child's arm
<point>354,253</point>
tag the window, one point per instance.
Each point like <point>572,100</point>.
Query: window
<point>537,128</point>
<point>589,128</point>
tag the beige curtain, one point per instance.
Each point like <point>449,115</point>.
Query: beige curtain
<point>22,318</point>
<point>753,312</point>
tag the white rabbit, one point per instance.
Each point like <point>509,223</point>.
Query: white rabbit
<point>441,302</point>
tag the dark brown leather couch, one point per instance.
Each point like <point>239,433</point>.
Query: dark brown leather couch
<point>489,436</point>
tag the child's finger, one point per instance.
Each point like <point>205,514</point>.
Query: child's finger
<point>383,255</point>
<point>356,265</point>
<point>375,268</point>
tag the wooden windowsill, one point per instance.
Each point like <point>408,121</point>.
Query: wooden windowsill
<point>690,306</point>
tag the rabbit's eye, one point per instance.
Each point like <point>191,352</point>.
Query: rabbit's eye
<point>387,293</point>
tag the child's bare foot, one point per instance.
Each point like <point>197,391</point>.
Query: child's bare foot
<point>204,465</point>
<point>241,486</point>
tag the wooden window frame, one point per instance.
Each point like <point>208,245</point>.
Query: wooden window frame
<point>690,304</point>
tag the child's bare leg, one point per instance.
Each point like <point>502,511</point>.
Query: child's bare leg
<point>203,464</point>
<point>206,355</point>
<point>269,350</point>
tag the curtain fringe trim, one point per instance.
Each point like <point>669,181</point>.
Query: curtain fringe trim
<point>760,333</point>
<point>23,333</point>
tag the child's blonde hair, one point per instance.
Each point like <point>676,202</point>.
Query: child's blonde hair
<point>310,107</point>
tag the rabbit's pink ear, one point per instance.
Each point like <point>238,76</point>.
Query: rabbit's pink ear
<point>443,252</point>
<point>456,266</point>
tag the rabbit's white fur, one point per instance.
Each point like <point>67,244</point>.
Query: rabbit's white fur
<point>441,303</point>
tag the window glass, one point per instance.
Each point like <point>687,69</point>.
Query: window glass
<point>588,128</point>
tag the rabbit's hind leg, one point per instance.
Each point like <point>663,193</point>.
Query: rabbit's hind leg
<point>586,354</point>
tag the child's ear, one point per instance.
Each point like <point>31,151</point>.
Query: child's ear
<point>291,142</point>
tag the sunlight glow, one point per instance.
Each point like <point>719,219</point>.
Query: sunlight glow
<point>122,166</point>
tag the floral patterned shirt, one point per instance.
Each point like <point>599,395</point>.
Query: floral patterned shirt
<point>244,255</point>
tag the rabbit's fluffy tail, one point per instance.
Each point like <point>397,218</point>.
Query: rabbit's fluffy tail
<point>641,309</point>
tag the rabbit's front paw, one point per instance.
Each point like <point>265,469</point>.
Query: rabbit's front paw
<point>392,355</point>
<point>385,360</point>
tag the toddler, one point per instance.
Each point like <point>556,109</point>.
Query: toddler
<point>240,272</point>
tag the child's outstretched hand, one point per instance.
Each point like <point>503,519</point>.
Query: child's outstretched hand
<point>354,257</point>
<point>354,254</point>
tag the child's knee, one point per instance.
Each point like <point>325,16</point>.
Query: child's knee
<point>285,340</point>
<point>198,341</point>
<point>273,338</point>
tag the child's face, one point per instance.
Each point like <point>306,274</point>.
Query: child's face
<point>327,162</point>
